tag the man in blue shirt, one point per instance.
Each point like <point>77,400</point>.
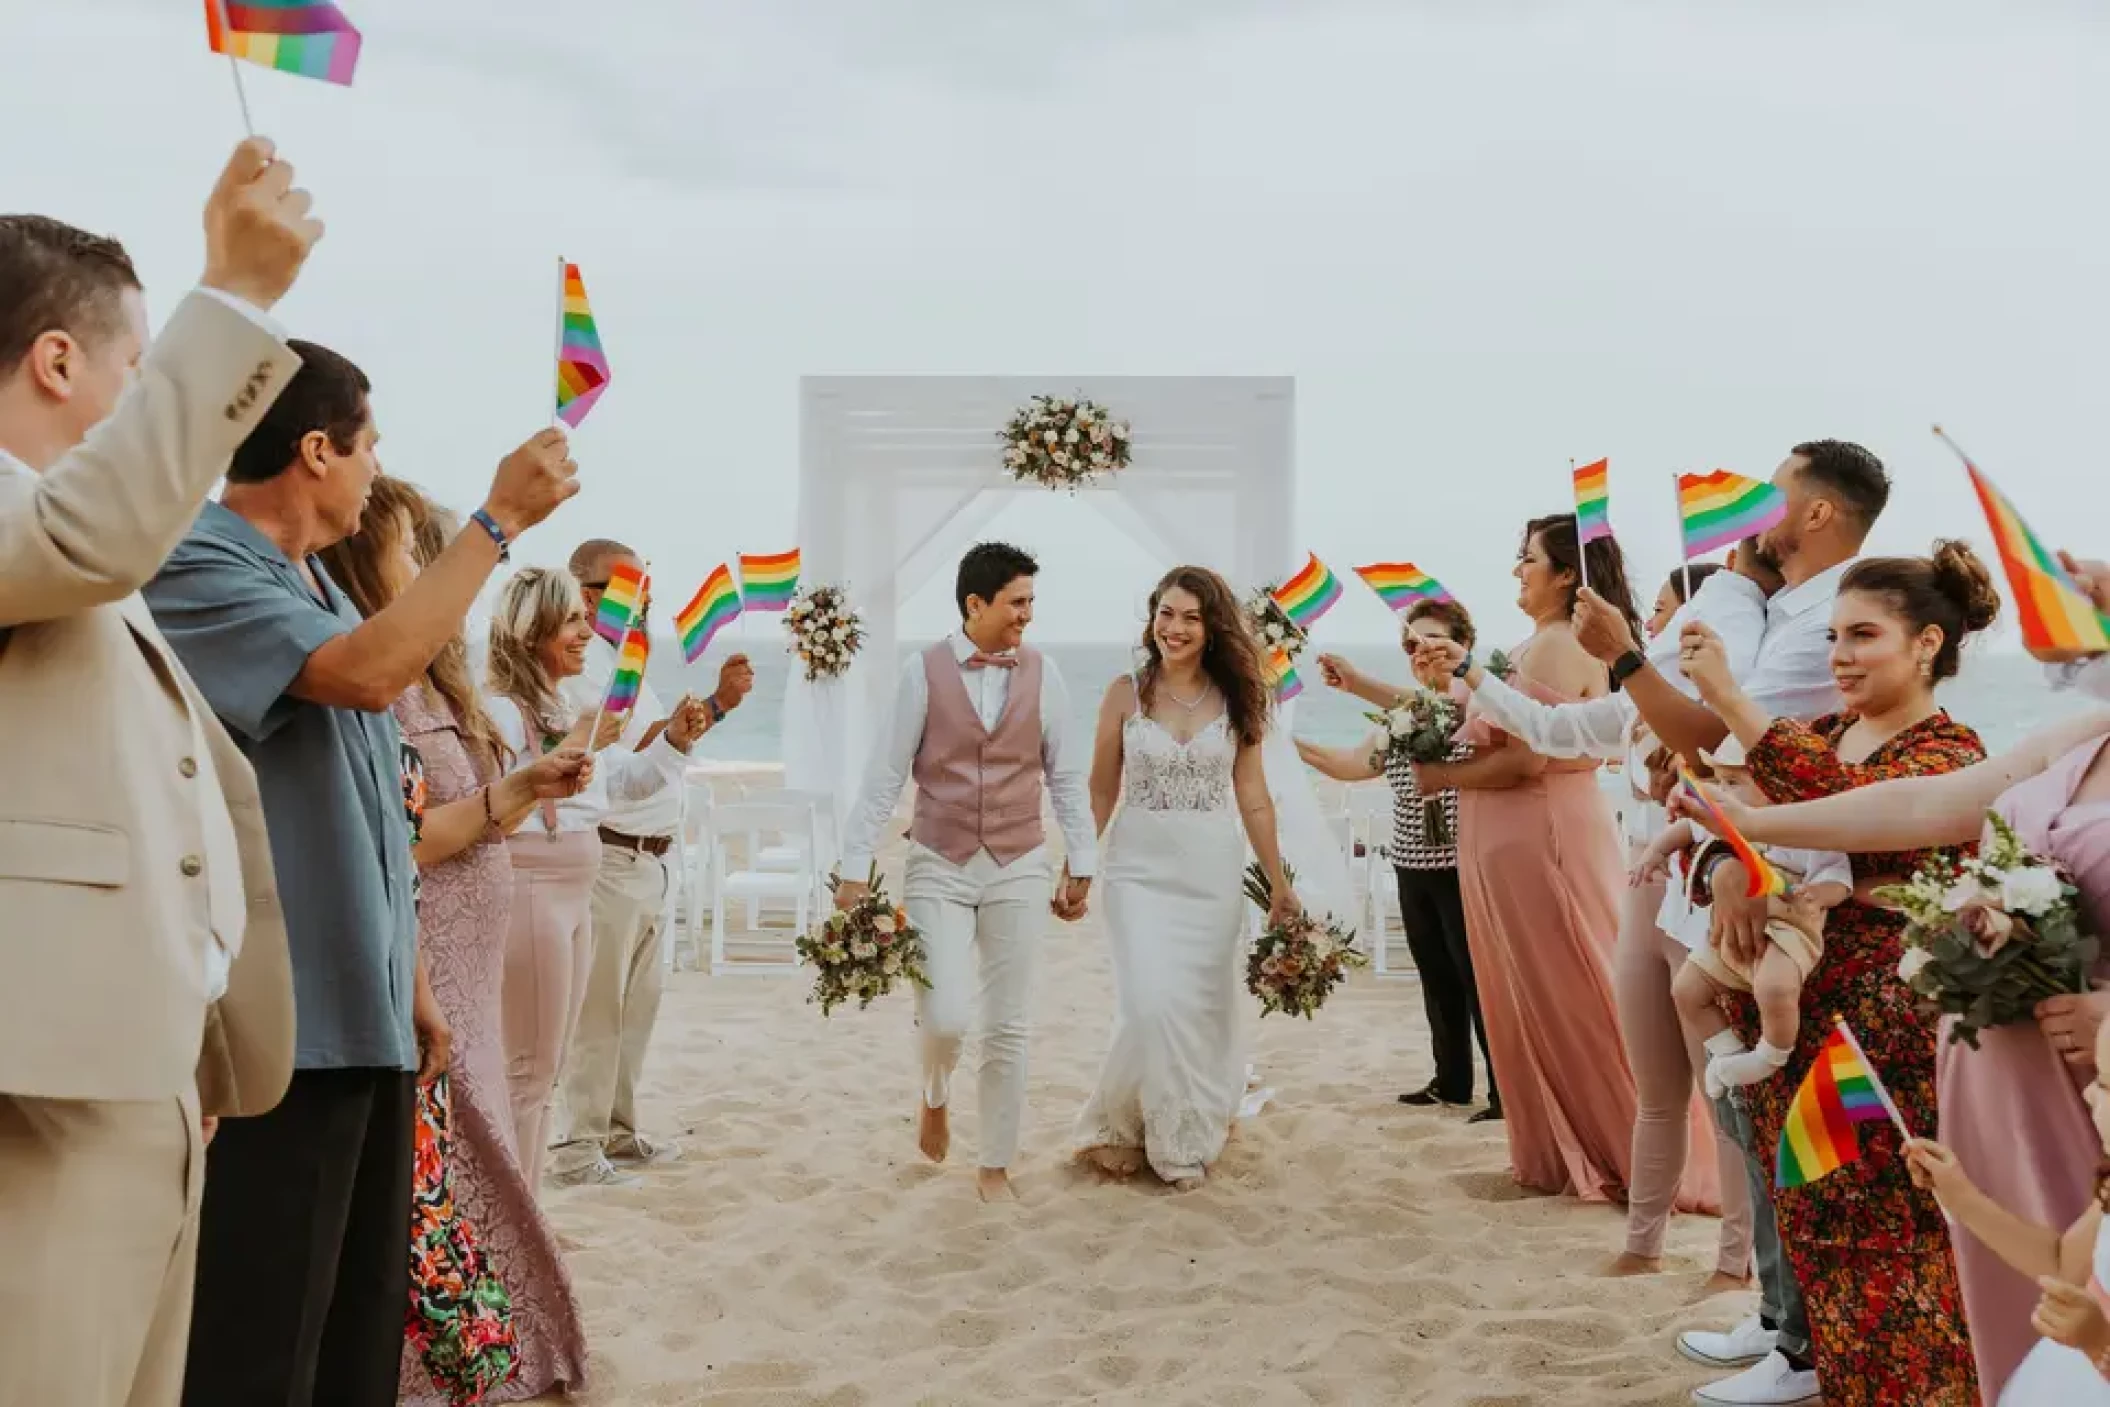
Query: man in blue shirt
<point>303,1265</point>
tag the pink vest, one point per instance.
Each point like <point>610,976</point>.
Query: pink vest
<point>975,789</point>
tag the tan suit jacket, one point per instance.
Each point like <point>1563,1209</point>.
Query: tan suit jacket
<point>111,762</point>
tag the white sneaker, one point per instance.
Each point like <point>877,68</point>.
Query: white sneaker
<point>1742,1346</point>
<point>1771,1382</point>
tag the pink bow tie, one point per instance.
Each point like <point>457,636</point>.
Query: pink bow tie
<point>978,660</point>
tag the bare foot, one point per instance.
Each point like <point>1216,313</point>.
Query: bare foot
<point>1116,1162</point>
<point>1722,1282</point>
<point>994,1185</point>
<point>1631,1264</point>
<point>934,1133</point>
<point>1188,1184</point>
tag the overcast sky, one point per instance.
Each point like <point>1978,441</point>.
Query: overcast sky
<point>1483,238</point>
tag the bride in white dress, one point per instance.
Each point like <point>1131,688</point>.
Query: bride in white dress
<point>1179,752</point>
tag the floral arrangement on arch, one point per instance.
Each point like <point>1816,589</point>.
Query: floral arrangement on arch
<point>1272,627</point>
<point>1990,936</point>
<point>1063,442</point>
<point>825,632</point>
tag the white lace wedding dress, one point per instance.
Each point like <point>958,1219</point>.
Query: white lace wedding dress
<point>1171,881</point>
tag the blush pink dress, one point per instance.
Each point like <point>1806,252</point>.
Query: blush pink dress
<point>1540,867</point>
<point>2012,1109</point>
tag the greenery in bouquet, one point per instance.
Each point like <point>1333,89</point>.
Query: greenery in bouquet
<point>1272,626</point>
<point>1989,937</point>
<point>1064,442</point>
<point>1294,966</point>
<point>1420,728</point>
<point>825,632</point>
<point>1499,666</point>
<point>862,952</point>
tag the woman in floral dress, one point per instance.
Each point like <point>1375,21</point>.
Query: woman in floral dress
<point>1872,1252</point>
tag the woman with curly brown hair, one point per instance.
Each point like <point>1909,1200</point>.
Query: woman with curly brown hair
<point>1179,752</point>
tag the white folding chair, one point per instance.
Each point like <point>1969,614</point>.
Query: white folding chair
<point>799,853</point>
<point>759,826</point>
<point>696,832</point>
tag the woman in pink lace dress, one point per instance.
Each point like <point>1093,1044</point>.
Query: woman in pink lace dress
<point>464,906</point>
<point>1540,867</point>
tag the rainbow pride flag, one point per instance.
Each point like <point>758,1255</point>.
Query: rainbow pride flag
<point>768,583</point>
<point>629,677</point>
<point>715,605</point>
<point>621,600</point>
<point>1841,1090</point>
<point>1721,509</point>
<point>1402,585</point>
<point>1282,674</point>
<point>1310,594</point>
<point>1593,502</point>
<point>582,369</point>
<point>1765,880</point>
<point>309,38</point>
<point>2056,614</point>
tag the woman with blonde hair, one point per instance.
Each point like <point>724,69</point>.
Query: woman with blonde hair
<point>539,635</point>
<point>473,802</point>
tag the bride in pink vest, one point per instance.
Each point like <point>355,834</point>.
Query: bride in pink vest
<point>1179,751</point>
<point>981,723</point>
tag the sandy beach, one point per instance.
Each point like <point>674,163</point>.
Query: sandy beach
<point>1349,1250</point>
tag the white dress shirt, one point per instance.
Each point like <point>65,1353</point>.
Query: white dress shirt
<point>2090,676</point>
<point>619,774</point>
<point>894,757</point>
<point>657,813</point>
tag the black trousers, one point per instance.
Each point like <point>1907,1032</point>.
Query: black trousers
<point>1434,914</point>
<point>304,1248</point>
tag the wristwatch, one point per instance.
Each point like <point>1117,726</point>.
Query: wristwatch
<point>1465,666</point>
<point>717,710</point>
<point>1627,666</point>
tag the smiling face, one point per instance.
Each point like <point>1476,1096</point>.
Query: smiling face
<point>1000,625</point>
<point>563,654</point>
<point>1879,661</point>
<point>1178,627</point>
<point>1542,588</point>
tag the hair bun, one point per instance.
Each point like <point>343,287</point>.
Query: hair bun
<point>1962,576</point>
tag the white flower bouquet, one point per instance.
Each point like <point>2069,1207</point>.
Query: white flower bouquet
<point>1272,627</point>
<point>825,633</point>
<point>862,952</point>
<point>1294,966</point>
<point>1989,937</point>
<point>1063,442</point>
<point>1420,728</point>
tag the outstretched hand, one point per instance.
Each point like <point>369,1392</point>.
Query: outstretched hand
<point>1600,628</point>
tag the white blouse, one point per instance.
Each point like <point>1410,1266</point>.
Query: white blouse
<point>619,774</point>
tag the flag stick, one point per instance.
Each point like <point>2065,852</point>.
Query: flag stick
<point>1954,448</point>
<point>1677,516</point>
<point>557,364</point>
<point>234,66</point>
<point>1874,1077</point>
<point>1582,549</point>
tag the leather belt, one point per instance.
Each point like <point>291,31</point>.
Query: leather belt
<point>653,845</point>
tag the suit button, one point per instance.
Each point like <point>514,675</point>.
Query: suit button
<point>192,867</point>
<point>188,767</point>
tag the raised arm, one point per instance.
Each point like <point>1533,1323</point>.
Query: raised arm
<point>1504,764</point>
<point>1343,764</point>
<point>1596,728</point>
<point>1340,674</point>
<point>454,826</point>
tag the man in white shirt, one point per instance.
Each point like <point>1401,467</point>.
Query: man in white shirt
<point>979,721</point>
<point>632,899</point>
<point>1835,492</point>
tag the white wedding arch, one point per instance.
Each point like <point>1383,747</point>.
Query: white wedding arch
<point>897,475</point>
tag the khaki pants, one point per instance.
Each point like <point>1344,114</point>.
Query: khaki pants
<point>98,1250</point>
<point>607,1053</point>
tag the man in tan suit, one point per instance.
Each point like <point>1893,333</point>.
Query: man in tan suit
<point>144,988</point>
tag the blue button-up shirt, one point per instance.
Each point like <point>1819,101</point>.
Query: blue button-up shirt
<point>243,621</point>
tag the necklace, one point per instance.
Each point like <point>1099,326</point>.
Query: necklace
<point>1188,704</point>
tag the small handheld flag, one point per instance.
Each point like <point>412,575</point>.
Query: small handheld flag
<point>768,583</point>
<point>620,602</point>
<point>1765,880</point>
<point>629,677</point>
<point>1401,585</point>
<point>1721,509</point>
<point>715,605</point>
<point>1593,502</point>
<point>1841,1090</point>
<point>1282,674</point>
<point>1310,594</point>
<point>307,38</point>
<point>2056,614</point>
<point>582,369</point>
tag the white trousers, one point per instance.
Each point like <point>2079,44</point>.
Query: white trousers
<point>981,924</point>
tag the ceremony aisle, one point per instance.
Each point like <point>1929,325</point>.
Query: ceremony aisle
<point>1349,1250</point>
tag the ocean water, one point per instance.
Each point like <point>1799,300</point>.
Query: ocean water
<point>2002,696</point>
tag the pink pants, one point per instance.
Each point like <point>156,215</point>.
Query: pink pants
<point>1666,1061</point>
<point>549,952</point>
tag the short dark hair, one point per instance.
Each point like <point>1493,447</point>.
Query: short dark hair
<point>1693,575</point>
<point>1850,476</point>
<point>988,568</point>
<point>58,279</point>
<point>1454,618</point>
<point>328,393</point>
<point>590,558</point>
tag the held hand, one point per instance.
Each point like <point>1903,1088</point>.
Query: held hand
<point>689,721</point>
<point>555,776</point>
<point>1599,628</point>
<point>1745,818</point>
<point>2071,1024</point>
<point>736,680</point>
<point>1337,672</point>
<point>1704,660</point>
<point>2092,577</point>
<point>1282,906</point>
<point>849,893</point>
<point>2069,1315</point>
<point>1739,925</point>
<point>1439,657</point>
<point>1935,1169</point>
<point>1071,897</point>
<point>532,481</point>
<point>258,231</point>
